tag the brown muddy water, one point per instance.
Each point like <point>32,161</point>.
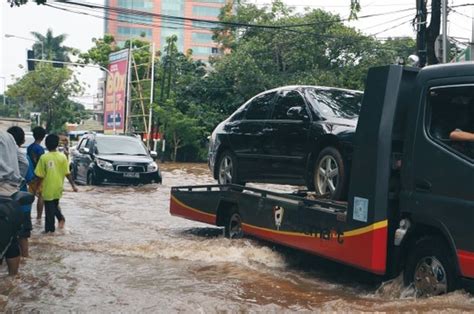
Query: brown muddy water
<point>121,251</point>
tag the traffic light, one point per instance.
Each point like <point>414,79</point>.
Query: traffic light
<point>31,64</point>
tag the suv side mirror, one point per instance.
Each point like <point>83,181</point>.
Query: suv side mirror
<point>153,154</point>
<point>84,150</point>
<point>297,113</point>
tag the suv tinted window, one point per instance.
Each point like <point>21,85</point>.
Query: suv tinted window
<point>259,108</point>
<point>451,109</point>
<point>286,99</point>
<point>117,145</point>
<point>335,102</point>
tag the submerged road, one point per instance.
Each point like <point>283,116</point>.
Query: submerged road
<point>121,251</point>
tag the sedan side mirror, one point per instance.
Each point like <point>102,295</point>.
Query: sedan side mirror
<point>297,113</point>
<point>84,150</point>
<point>153,154</point>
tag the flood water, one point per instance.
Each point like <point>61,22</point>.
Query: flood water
<point>121,251</point>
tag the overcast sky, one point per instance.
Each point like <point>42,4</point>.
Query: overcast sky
<point>81,29</point>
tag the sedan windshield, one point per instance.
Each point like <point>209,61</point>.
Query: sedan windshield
<point>335,102</point>
<point>120,146</point>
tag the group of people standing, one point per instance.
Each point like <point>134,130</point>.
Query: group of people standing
<point>39,172</point>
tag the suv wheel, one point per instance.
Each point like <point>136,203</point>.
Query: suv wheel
<point>329,174</point>
<point>91,178</point>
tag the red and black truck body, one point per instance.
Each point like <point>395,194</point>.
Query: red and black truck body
<point>406,186</point>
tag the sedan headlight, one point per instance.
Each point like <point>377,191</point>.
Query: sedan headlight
<point>152,167</point>
<point>106,165</point>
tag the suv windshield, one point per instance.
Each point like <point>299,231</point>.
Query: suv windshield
<point>120,146</point>
<point>335,102</point>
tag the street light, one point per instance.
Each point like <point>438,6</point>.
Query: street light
<point>86,65</point>
<point>29,39</point>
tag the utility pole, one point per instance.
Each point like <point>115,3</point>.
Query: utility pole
<point>444,12</point>
<point>150,114</point>
<point>421,31</point>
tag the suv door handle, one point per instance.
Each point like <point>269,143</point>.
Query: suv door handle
<point>234,128</point>
<point>422,185</point>
<point>267,130</point>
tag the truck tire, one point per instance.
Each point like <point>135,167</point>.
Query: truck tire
<point>233,226</point>
<point>227,171</point>
<point>430,268</point>
<point>329,174</point>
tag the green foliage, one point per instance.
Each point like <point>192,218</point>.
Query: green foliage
<point>47,90</point>
<point>21,2</point>
<point>51,47</point>
<point>192,97</point>
<point>180,130</point>
<point>99,54</point>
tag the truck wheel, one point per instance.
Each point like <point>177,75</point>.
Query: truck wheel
<point>329,174</point>
<point>227,169</point>
<point>430,268</point>
<point>233,227</point>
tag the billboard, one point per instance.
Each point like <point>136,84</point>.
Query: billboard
<point>116,91</point>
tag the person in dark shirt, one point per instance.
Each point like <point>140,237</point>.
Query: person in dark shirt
<point>35,151</point>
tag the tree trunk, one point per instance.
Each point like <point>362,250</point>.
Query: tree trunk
<point>176,146</point>
<point>432,32</point>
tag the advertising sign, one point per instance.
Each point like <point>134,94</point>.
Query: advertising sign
<point>116,91</point>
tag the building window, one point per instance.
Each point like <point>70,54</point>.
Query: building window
<point>206,11</point>
<point>215,50</point>
<point>131,18</point>
<point>136,4</point>
<point>202,37</point>
<point>197,24</point>
<point>200,50</point>
<point>210,1</point>
<point>134,31</point>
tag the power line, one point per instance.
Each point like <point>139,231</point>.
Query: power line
<point>234,24</point>
<point>387,22</point>
<point>393,27</point>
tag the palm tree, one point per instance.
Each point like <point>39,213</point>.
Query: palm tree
<point>51,46</point>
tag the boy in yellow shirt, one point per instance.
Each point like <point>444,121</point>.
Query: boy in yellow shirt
<point>51,169</point>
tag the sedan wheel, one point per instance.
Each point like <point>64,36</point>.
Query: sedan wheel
<point>329,176</point>
<point>227,171</point>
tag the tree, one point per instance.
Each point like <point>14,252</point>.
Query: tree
<point>21,2</point>
<point>47,90</point>
<point>51,46</point>
<point>99,54</point>
<point>179,129</point>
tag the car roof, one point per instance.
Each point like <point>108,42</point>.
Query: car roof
<point>300,87</point>
<point>100,135</point>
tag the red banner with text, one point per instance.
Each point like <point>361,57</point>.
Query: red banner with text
<point>116,91</point>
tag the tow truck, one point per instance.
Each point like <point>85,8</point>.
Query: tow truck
<point>410,202</point>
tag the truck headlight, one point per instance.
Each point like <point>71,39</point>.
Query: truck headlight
<point>152,167</point>
<point>106,165</point>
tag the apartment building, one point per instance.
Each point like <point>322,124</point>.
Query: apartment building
<point>193,35</point>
